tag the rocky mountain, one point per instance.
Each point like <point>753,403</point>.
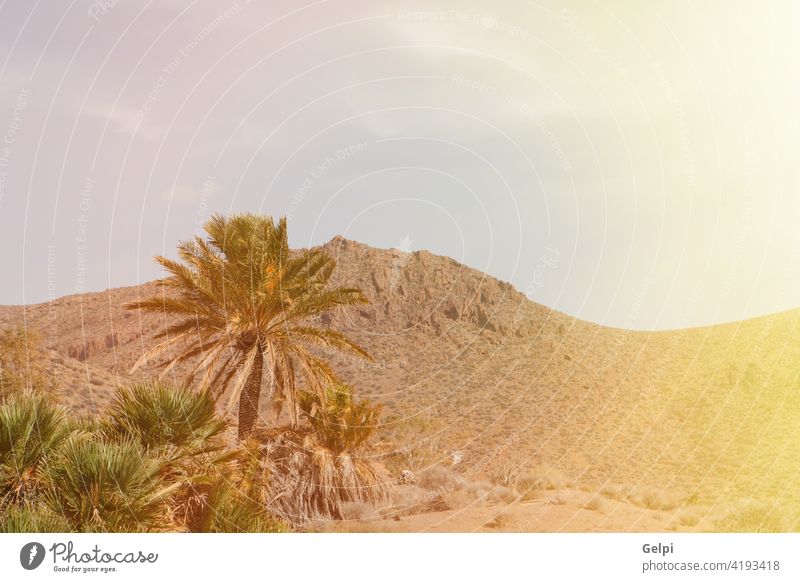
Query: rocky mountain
<point>479,376</point>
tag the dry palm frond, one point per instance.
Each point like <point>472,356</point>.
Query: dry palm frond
<point>315,472</point>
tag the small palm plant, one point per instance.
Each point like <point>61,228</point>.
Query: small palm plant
<point>313,473</point>
<point>181,426</point>
<point>244,306</point>
<point>31,428</point>
<point>339,422</point>
<point>168,420</point>
<point>30,517</point>
<point>107,487</point>
<point>229,510</point>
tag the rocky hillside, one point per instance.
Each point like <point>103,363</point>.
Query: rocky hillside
<point>497,383</point>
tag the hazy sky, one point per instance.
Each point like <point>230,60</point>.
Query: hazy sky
<point>629,163</point>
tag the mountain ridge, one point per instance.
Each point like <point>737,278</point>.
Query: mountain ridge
<point>506,382</point>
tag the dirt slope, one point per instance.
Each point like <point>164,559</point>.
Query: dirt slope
<point>506,384</point>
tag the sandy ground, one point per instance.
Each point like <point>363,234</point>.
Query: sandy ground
<point>567,510</point>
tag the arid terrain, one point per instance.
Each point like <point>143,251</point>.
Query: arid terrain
<point>512,416</point>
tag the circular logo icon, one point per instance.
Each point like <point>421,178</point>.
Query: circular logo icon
<point>31,555</point>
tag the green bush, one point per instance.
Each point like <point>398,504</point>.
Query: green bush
<point>108,487</point>
<point>29,518</point>
<point>164,418</point>
<point>31,428</point>
<point>226,510</point>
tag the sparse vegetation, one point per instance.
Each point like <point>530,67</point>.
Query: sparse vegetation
<point>658,499</point>
<point>753,517</point>
<point>414,441</point>
<point>557,499</point>
<point>690,516</point>
<point>595,503</point>
<point>21,362</point>
<point>615,491</point>
<point>501,521</point>
<point>533,481</point>
<point>441,479</point>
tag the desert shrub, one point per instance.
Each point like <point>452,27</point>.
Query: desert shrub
<point>459,499</point>
<point>505,473</point>
<point>110,487</point>
<point>557,499</point>
<point>440,478</point>
<point>657,499</point>
<point>358,511</point>
<point>689,517</point>
<point>501,494</point>
<point>224,509</point>
<point>479,490</point>
<point>530,483</point>
<point>614,491</point>
<point>595,503</point>
<point>753,517</point>
<point>414,440</point>
<point>407,499</point>
<point>501,521</point>
<point>31,428</point>
<point>30,518</point>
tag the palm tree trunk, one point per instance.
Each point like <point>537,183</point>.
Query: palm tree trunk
<point>248,400</point>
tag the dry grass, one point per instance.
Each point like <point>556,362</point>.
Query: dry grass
<point>532,482</point>
<point>690,516</point>
<point>596,503</point>
<point>438,478</point>
<point>615,491</point>
<point>557,499</point>
<point>358,511</point>
<point>658,499</point>
<point>754,517</point>
<point>502,521</point>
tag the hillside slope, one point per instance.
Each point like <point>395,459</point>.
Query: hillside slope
<point>506,384</point>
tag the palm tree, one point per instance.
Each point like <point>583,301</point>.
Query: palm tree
<point>314,472</point>
<point>245,302</point>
